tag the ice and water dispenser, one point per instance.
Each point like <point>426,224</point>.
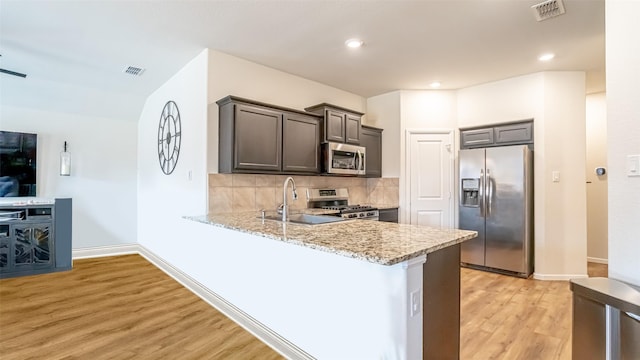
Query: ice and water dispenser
<point>470,192</point>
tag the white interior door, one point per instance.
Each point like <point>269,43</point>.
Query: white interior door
<point>430,176</point>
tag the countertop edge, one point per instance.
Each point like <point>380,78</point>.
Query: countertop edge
<point>350,254</point>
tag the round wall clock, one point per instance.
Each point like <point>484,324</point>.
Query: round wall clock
<point>169,135</point>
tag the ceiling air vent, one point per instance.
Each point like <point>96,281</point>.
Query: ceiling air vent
<point>548,9</point>
<point>132,70</point>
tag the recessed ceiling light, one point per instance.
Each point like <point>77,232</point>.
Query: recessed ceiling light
<point>435,84</point>
<point>354,43</point>
<point>546,57</point>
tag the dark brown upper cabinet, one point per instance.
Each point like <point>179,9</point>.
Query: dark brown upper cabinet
<point>477,137</point>
<point>340,124</point>
<point>301,143</point>
<point>255,137</point>
<point>514,133</point>
<point>371,139</point>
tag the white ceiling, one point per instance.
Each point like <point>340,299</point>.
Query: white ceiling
<point>74,51</point>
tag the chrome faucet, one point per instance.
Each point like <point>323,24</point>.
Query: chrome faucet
<point>285,207</point>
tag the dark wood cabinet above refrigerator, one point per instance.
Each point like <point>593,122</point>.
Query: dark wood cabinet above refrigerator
<point>255,137</point>
<point>514,133</point>
<point>339,124</point>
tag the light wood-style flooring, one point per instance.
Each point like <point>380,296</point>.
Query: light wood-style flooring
<point>115,308</point>
<point>504,317</point>
<point>124,307</point>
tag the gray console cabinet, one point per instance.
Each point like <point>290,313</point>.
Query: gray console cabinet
<point>255,137</point>
<point>35,239</point>
<point>371,139</point>
<point>339,124</point>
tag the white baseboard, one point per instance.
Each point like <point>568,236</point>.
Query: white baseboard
<point>259,330</point>
<point>598,260</point>
<point>556,277</point>
<point>101,251</point>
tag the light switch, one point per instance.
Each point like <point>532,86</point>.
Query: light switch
<point>633,165</point>
<point>555,176</point>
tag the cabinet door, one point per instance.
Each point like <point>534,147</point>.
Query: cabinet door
<point>334,126</point>
<point>257,139</point>
<point>514,133</point>
<point>476,137</point>
<point>301,143</point>
<point>352,129</point>
<point>371,139</point>
<point>32,245</point>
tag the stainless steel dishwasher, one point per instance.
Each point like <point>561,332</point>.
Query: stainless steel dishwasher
<point>606,319</point>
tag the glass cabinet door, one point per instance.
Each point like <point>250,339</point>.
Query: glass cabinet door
<point>32,244</point>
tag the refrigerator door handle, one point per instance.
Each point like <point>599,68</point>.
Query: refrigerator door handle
<point>481,195</point>
<point>489,193</point>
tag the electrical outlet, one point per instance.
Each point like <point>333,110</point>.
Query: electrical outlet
<point>415,303</point>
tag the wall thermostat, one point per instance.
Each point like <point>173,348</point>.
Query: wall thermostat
<point>600,171</point>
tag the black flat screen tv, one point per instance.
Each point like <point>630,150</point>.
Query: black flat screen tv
<point>18,163</point>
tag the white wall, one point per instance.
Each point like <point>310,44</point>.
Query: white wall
<point>564,245</point>
<point>103,170</point>
<point>597,214</point>
<point>330,306</point>
<point>556,102</point>
<point>623,136</point>
<point>383,111</point>
<point>431,109</point>
<point>229,75</point>
<point>517,98</point>
<point>164,199</point>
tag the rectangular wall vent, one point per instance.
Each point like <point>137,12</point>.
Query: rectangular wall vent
<point>548,9</point>
<point>132,70</point>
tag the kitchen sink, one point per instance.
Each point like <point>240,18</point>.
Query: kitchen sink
<point>307,219</point>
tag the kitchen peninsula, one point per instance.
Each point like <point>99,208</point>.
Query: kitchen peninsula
<point>354,289</point>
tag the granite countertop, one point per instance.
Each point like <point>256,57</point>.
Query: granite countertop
<point>373,241</point>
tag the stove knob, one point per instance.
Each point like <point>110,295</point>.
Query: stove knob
<point>351,216</point>
<point>361,215</point>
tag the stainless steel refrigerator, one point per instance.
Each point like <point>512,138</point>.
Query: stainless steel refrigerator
<point>496,200</point>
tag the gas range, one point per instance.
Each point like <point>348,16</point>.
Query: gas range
<point>338,199</point>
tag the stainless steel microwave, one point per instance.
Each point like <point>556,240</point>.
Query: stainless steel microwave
<point>343,159</point>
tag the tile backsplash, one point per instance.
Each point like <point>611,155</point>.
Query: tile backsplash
<point>248,192</point>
